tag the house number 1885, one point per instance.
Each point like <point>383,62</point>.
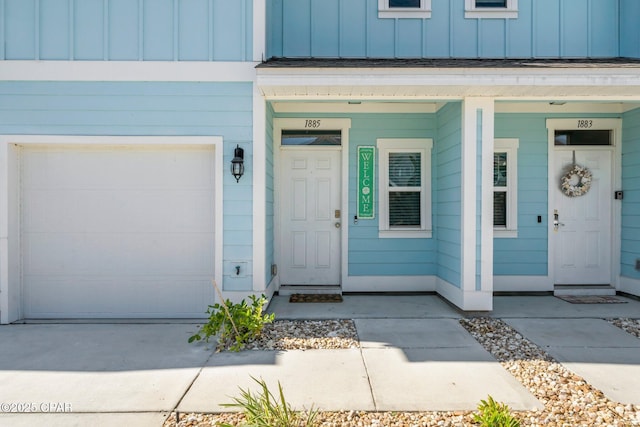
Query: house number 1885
<point>313,124</point>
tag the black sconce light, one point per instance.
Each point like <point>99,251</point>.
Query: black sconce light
<point>237,164</point>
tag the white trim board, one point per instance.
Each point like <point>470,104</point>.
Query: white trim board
<point>389,284</point>
<point>467,301</point>
<point>615,125</point>
<point>129,71</point>
<point>344,125</point>
<point>630,286</point>
<point>8,282</point>
<point>522,284</point>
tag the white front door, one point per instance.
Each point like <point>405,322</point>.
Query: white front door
<point>310,216</point>
<point>582,239</point>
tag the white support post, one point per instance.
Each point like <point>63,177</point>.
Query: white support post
<point>476,272</point>
<point>259,30</point>
<point>259,190</point>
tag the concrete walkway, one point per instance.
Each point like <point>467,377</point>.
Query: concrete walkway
<point>414,355</point>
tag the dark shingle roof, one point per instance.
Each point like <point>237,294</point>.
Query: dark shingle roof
<point>450,63</point>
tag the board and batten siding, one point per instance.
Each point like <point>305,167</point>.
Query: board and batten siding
<point>629,28</point>
<point>448,194</point>
<point>352,29</point>
<point>126,30</point>
<point>630,251</point>
<point>162,109</point>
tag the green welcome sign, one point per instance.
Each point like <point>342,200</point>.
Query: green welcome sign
<point>366,177</point>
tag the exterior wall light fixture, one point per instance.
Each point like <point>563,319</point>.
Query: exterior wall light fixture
<point>237,164</point>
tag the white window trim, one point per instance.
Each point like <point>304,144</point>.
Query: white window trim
<point>509,12</point>
<point>509,146</point>
<point>385,146</point>
<point>384,11</point>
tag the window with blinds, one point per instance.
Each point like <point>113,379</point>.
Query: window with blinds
<point>505,187</point>
<point>405,193</point>
<point>405,188</point>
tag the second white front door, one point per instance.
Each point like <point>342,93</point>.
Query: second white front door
<point>582,239</point>
<point>310,216</point>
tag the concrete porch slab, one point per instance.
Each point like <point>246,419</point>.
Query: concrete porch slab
<point>366,306</point>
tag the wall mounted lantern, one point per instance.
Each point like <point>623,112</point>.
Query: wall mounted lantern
<point>237,164</point>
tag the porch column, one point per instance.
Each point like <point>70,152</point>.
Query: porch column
<point>259,190</point>
<point>477,204</point>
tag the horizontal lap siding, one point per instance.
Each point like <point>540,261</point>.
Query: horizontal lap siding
<point>448,193</point>
<point>631,186</point>
<point>127,30</point>
<point>544,28</point>
<point>368,254</point>
<point>147,109</point>
<point>527,254</point>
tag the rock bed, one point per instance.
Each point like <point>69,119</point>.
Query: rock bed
<point>631,326</point>
<point>568,400</point>
<point>307,335</point>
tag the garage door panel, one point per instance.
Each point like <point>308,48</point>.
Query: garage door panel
<point>119,232</point>
<point>68,254</point>
<point>113,168</point>
<point>94,298</point>
<point>118,210</point>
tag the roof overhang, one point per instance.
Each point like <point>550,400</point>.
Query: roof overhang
<point>618,81</point>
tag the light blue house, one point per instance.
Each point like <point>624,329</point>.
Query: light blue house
<point>464,147</point>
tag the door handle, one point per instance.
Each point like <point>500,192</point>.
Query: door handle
<point>556,221</point>
<point>337,225</point>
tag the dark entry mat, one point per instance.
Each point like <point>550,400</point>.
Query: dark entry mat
<point>591,299</point>
<point>315,298</point>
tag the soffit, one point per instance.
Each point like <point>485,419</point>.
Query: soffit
<point>616,78</point>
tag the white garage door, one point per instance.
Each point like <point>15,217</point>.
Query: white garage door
<point>117,231</point>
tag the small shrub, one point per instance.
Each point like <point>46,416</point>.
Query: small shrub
<point>494,414</point>
<point>235,324</point>
<point>266,410</point>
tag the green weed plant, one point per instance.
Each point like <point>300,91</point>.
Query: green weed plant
<point>234,324</point>
<point>494,414</point>
<point>264,409</point>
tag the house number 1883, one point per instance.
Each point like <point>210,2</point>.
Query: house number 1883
<point>585,124</point>
<point>313,124</point>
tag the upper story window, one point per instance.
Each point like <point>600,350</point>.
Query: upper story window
<point>404,8</point>
<point>491,9</point>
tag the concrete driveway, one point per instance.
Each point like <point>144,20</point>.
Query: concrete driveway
<point>95,374</point>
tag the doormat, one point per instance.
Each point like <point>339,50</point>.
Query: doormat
<point>591,299</point>
<point>315,298</point>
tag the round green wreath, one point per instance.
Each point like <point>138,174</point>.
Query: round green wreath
<point>572,188</point>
